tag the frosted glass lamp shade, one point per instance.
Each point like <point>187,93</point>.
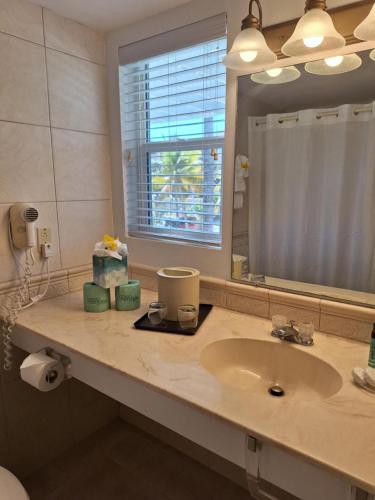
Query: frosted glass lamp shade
<point>315,31</point>
<point>248,51</point>
<point>350,62</point>
<point>366,30</point>
<point>288,74</point>
<point>372,55</point>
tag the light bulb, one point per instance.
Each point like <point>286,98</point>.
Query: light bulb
<point>332,62</point>
<point>248,55</point>
<point>336,65</point>
<point>274,72</point>
<point>269,77</point>
<point>313,41</point>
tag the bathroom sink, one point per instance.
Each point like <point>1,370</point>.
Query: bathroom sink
<point>257,366</point>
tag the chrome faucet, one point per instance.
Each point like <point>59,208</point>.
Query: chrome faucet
<point>291,334</point>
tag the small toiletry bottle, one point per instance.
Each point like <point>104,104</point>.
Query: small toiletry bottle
<point>371,358</point>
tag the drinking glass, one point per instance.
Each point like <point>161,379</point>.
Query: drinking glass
<point>157,311</point>
<point>187,316</point>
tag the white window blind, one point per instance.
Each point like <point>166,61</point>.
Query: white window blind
<point>173,124</point>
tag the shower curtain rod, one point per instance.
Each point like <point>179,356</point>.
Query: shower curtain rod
<point>291,118</point>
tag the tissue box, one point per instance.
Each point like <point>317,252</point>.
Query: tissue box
<point>110,272</point>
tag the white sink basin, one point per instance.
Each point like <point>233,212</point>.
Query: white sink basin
<point>257,365</point>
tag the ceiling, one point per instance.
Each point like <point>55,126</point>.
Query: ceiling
<point>107,15</point>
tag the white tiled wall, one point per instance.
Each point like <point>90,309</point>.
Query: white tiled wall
<point>53,130</point>
<point>54,153</point>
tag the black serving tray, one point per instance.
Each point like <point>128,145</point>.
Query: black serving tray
<point>167,326</point>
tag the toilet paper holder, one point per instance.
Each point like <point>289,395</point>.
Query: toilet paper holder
<point>46,369</point>
<point>64,360</point>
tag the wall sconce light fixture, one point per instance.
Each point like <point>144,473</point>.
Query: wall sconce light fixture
<point>366,30</point>
<point>250,49</point>
<point>334,65</point>
<point>276,76</point>
<point>315,31</point>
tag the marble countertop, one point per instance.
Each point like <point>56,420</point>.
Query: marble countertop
<point>338,432</point>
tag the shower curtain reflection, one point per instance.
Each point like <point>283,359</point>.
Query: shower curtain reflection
<point>312,196</point>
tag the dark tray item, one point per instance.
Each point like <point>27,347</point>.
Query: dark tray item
<point>167,326</point>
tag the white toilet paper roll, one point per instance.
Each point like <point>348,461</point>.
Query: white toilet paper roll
<point>42,372</point>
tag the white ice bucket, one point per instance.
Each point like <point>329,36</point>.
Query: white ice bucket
<point>178,286</point>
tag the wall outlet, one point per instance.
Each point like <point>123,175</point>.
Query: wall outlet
<point>47,250</point>
<point>44,236</point>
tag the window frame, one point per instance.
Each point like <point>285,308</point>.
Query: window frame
<point>211,261</point>
<point>146,147</point>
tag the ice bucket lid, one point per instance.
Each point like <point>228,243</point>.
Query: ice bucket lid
<point>178,272</point>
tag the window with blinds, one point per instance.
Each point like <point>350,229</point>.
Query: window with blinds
<point>173,125</point>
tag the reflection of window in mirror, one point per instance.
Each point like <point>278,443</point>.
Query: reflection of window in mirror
<point>304,213</point>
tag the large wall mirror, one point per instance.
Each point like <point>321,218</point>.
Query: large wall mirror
<point>304,193</point>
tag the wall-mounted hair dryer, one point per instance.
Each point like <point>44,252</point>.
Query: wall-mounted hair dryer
<point>22,223</point>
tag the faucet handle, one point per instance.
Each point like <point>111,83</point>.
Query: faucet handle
<point>278,321</point>
<point>306,333</point>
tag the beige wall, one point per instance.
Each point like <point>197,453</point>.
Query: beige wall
<point>53,130</point>
<point>53,153</point>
